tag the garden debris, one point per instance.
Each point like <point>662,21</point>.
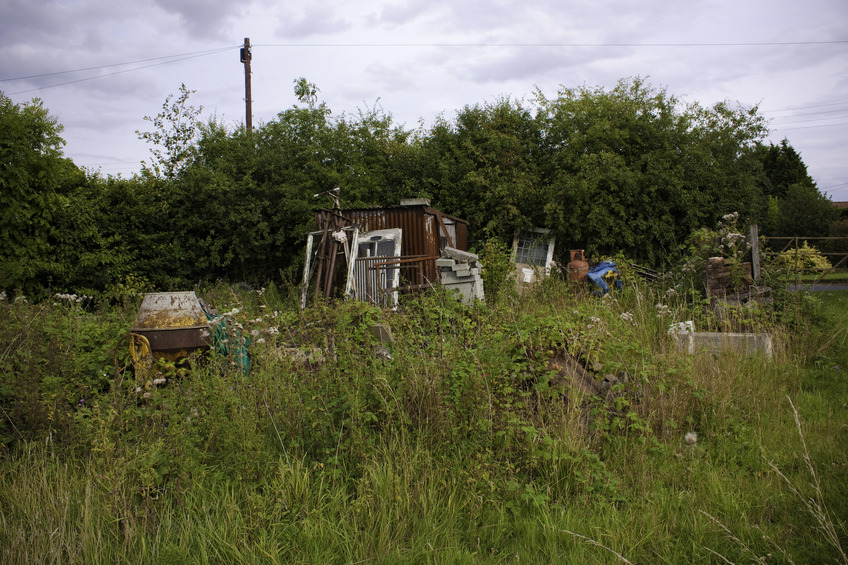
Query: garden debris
<point>533,255</point>
<point>645,272</point>
<point>382,332</point>
<point>229,338</point>
<point>574,373</point>
<point>365,253</point>
<point>602,276</point>
<point>714,342</point>
<point>301,357</point>
<point>721,277</point>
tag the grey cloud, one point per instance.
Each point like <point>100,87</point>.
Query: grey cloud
<point>204,19</point>
<point>25,21</point>
<point>311,22</point>
<point>400,13</point>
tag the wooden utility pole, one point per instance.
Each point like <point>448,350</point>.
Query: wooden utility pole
<point>245,58</point>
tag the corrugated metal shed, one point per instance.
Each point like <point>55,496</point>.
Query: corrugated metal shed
<point>425,231</point>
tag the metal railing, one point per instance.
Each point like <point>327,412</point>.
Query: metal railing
<point>380,279</point>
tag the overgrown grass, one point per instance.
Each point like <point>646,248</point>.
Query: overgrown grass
<point>465,446</point>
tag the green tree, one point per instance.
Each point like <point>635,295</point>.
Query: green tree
<point>796,206</point>
<point>804,211</point>
<point>782,167</point>
<point>242,204</point>
<point>634,169</point>
<point>33,175</point>
<point>485,168</point>
<point>173,137</point>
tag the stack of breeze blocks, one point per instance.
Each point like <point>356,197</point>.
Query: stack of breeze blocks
<point>461,271</point>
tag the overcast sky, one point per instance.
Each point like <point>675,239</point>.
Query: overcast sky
<point>102,65</point>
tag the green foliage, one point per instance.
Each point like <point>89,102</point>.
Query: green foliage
<point>485,167</point>
<point>802,259</point>
<point>782,168</point>
<point>498,270</point>
<point>726,242</point>
<point>805,211</point>
<point>633,169</point>
<point>173,137</point>
<point>796,207</point>
<point>54,358</point>
<point>33,179</point>
<point>456,447</point>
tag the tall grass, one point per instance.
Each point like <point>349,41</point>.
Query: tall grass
<point>464,447</point>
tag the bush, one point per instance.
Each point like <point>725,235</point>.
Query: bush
<point>803,259</point>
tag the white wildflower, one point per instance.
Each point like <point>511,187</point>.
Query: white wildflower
<point>627,317</point>
<point>254,333</point>
<point>671,292</point>
<point>273,331</point>
<point>160,381</point>
<point>3,295</point>
<point>691,438</point>
<point>662,310</point>
<point>260,340</point>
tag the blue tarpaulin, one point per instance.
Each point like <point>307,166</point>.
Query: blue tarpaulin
<point>601,274</point>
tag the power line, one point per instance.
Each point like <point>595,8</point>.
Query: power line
<point>178,57</point>
<point>116,72</point>
<point>793,121</point>
<point>185,56</point>
<point>821,112</point>
<point>811,127</point>
<point>740,44</point>
<point>805,107</point>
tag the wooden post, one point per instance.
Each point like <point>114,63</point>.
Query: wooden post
<point>754,240</point>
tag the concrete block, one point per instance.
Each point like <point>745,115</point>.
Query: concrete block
<point>382,332</point>
<point>461,256</point>
<point>464,290</point>
<point>449,277</point>
<point>415,202</point>
<point>478,290</point>
<point>743,343</point>
<point>445,262</point>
